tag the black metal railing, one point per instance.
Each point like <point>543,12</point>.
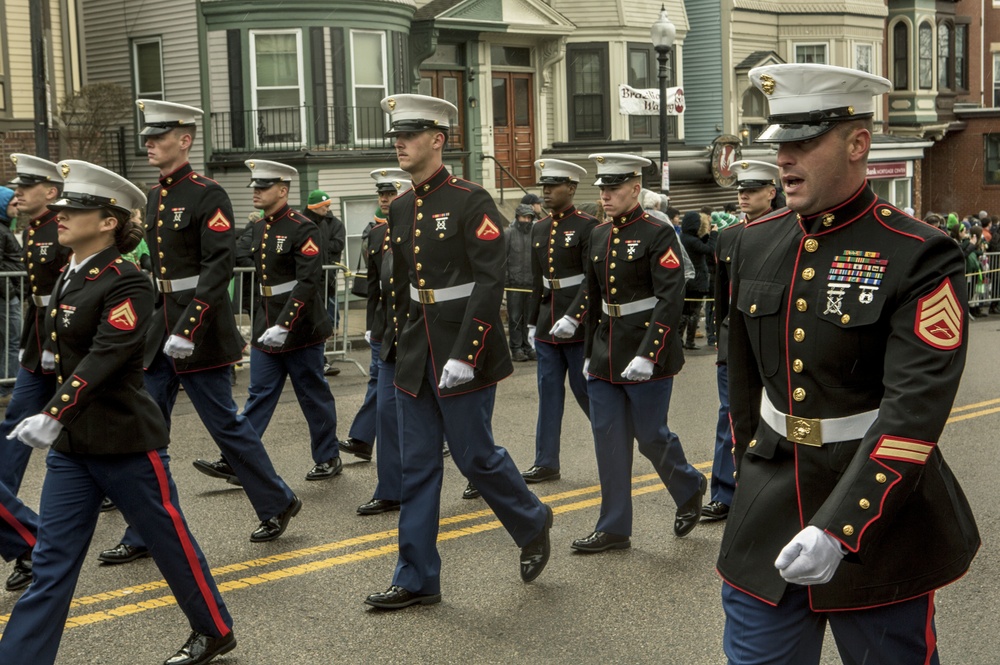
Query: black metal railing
<point>313,128</point>
<point>504,171</point>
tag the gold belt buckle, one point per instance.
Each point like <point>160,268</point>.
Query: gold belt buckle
<point>165,286</point>
<point>266,291</point>
<point>807,431</point>
<point>614,309</point>
<point>553,284</point>
<point>426,296</point>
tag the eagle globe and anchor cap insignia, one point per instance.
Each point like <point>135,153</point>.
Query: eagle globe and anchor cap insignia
<point>939,318</point>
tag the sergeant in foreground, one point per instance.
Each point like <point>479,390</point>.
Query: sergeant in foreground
<point>846,345</point>
<point>192,245</point>
<point>290,325</point>
<point>37,184</point>
<point>559,248</point>
<point>632,353</point>
<point>382,337</point>
<point>105,433</point>
<point>756,190</point>
<point>448,255</point>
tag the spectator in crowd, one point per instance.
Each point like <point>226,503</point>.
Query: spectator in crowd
<point>518,241</point>
<point>10,301</point>
<point>936,220</point>
<point>535,201</point>
<point>674,215</point>
<point>974,269</point>
<point>318,210</point>
<point>698,237</point>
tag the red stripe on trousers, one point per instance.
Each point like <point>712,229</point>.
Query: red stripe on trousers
<point>185,540</point>
<point>22,530</point>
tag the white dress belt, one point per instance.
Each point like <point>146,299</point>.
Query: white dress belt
<point>624,309</point>
<point>277,289</point>
<point>40,301</point>
<point>816,431</point>
<point>562,282</point>
<point>175,285</point>
<point>432,296</point>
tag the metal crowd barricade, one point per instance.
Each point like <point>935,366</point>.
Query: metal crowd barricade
<point>245,293</point>
<point>984,286</point>
<point>11,318</point>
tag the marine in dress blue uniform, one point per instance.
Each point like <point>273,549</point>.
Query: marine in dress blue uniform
<point>382,336</point>
<point>37,183</point>
<point>361,437</point>
<point>847,341</point>
<point>106,435</point>
<point>560,244</point>
<point>192,338</point>
<point>290,325</point>
<point>635,281</point>
<point>756,187</point>
<point>447,286</point>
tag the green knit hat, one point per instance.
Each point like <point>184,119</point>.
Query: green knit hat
<point>952,221</point>
<point>317,198</point>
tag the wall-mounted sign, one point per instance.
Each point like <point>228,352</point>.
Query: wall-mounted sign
<point>726,151</point>
<point>636,101</point>
<point>888,170</point>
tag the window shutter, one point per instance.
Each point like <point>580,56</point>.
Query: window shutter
<point>341,114</point>
<point>237,110</point>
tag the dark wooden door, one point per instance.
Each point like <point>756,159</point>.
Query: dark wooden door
<point>449,86</point>
<point>514,127</point>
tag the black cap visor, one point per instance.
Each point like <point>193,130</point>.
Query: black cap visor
<point>613,179</point>
<point>29,180</point>
<point>265,183</point>
<point>75,201</point>
<point>383,187</point>
<point>161,128</point>
<point>555,180</point>
<point>415,125</point>
<point>753,184</point>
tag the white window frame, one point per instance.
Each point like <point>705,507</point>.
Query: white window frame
<point>872,59</point>
<point>825,45</point>
<point>146,94</point>
<point>354,85</point>
<point>301,82</point>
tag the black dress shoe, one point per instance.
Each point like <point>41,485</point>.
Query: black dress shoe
<point>325,470</point>
<point>599,541</point>
<point>535,554</point>
<point>357,448</point>
<point>714,511</point>
<point>20,578</point>
<point>330,370</point>
<point>471,492</point>
<point>108,505</point>
<point>274,527</point>
<point>219,469</point>
<point>539,474</point>
<point>396,598</point>
<point>377,507</point>
<point>122,553</point>
<point>689,514</point>
<point>201,648</point>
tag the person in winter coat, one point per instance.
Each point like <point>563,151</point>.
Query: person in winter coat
<point>698,236</point>
<point>518,240</point>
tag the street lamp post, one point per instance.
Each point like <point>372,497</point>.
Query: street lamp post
<point>662,35</point>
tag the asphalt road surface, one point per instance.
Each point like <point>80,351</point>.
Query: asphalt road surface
<point>299,599</point>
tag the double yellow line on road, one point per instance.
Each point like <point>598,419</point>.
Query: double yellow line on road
<point>467,524</point>
<point>369,547</point>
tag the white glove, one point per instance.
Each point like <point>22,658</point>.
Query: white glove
<point>178,347</point>
<point>39,431</point>
<point>586,368</point>
<point>640,369</point>
<point>368,336</point>
<point>811,557</point>
<point>274,336</point>
<point>531,336</point>
<point>565,327</point>
<point>48,360</point>
<point>20,355</point>
<point>455,374</point>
